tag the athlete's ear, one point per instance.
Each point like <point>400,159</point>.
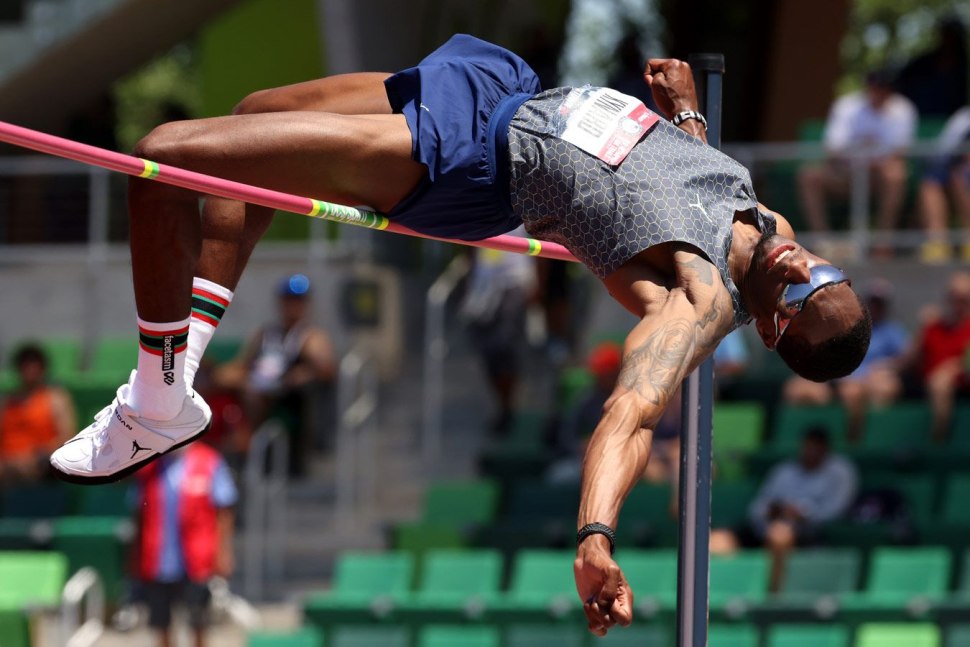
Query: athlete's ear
<point>766,330</point>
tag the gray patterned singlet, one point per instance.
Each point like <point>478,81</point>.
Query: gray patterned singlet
<point>671,188</point>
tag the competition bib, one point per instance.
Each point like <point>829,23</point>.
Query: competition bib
<point>604,122</point>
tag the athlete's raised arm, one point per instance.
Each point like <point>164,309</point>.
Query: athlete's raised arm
<point>675,333</point>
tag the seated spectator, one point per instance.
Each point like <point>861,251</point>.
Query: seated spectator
<point>940,355</point>
<point>936,80</point>
<point>279,363</point>
<point>34,420</point>
<point>800,496</point>
<point>876,121</point>
<point>185,525</point>
<point>876,382</point>
<point>949,173</point>
<point>495,308</point>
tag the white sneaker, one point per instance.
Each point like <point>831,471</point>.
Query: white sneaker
<point>119,442</point>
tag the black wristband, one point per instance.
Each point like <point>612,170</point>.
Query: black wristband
<point>597,529</point>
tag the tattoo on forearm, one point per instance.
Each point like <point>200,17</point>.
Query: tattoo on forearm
<point>651,369</point>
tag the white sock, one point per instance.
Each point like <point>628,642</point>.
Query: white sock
<point>209,303</point>
<point>158,390</point>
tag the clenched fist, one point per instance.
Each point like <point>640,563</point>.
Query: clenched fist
<point>672,85</point>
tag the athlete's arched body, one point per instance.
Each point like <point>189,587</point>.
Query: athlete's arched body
<point>465,145</point>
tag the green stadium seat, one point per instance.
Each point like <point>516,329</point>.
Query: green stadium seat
<point>545,635</point>
<point>808,635</point>
<point>454,584</point>
<point>743,576</point>
<point>646,517</point>
<point>40,501</point>
<point>420,537</point>
<point>900,575</point>
<point>730,501</point>
<point>810,574</point>
<point>792,421</point>
<point>898,635</point>
<point>302,637</point>
<point>542,501</point>
<point>351,636</point>
<point>18,534</point>
<point>722,635</point>
<point>635,636</point>
<point>31,579</point>
<point>14,628</point>
<point>573,382</point>
<point>958,636</point>
<point>652,575</point>
<point>365,585</point>
<point>738,430</point>
<point>960,432</point>
<point>541,587</point>
<point>110,500</point>
<point>220,351</point>
<point>91,396</point>
<point>900,427</point>
<point>113,359</point>
<point>98,542</point>
<point>955,499</point>
<point>460,503</point>
<point>455,635</point>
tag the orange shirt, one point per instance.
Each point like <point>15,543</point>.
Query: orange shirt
<point>27,424</point>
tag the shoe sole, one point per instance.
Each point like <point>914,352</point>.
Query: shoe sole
<point>77,479</point>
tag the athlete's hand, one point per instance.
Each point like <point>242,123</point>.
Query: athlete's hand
<point>607,598</point>
<point>672,85</point>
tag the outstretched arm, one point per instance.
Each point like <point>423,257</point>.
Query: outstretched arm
<point>667,343</point>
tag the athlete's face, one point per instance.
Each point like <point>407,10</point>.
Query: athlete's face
<point>778,262</point>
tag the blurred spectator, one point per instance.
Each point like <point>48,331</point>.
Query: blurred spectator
<point>280,363</point>
<point>940,354</point>
<point>876,382</point>
<point>495,307</point>
<point>876,121</point>
<point>731,361</point>
<point>628,77</point>
<point>799,496</point>
<point>230,430</point>
<point>185,524</point>
<point>936,82</point>
<point>556,288</point>
<point>34,419</point>
<point>948,172</point>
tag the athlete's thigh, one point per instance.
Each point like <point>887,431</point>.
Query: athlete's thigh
<point>360,93</point>
<point>341,158</point>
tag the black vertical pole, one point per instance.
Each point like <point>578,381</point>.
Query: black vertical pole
<point>693,567</point>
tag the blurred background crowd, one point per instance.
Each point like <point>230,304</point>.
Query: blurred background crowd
<point>399,425</point>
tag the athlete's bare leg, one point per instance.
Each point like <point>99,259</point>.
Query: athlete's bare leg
<point>341,158</point>
<point>231,229</point>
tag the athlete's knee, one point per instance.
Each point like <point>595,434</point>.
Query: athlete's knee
<point>168,143</point>
<point>261,101</point>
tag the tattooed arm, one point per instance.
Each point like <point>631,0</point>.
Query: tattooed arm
<point>672,337</point>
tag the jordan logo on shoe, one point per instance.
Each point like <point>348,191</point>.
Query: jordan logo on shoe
<point>135,448</point>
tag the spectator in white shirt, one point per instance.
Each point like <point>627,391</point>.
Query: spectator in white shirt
<point>876,121</point>
<point>799,496</point>
<point>949,173</point>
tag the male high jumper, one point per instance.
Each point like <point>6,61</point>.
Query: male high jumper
<point>466,145</point>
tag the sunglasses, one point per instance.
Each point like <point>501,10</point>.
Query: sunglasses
<point>796,295</point>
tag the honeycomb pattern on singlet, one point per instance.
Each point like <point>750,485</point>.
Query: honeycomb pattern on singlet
<point>671,188</point>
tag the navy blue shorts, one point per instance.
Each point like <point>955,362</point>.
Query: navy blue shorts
<point>448,101</point>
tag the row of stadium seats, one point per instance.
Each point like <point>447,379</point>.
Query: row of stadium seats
<point>746,442</point>
<point>463,585</point>
<point>720,635</point>
<point>28,581</point>
<point>537,514</point>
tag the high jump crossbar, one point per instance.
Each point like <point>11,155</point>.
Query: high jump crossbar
<point>138,167</point>
<point>693,550</point>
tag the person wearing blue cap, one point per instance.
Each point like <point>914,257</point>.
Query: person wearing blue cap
<point>284,357</point>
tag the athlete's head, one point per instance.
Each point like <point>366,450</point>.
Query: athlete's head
<point>805,308</point>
